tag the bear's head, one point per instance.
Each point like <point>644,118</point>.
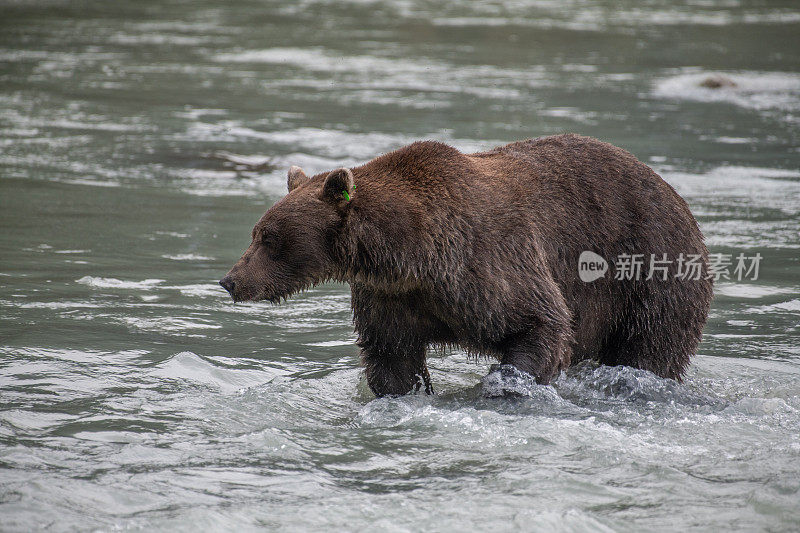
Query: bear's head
<point>294,244</point>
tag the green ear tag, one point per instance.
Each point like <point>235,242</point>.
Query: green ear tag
<point>346,196</point>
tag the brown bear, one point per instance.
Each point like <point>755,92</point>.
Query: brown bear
<point>482,251</point>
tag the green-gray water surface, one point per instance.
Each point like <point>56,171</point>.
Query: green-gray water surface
<point>135,395</point>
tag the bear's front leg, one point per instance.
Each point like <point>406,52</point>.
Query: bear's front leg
<point>392,372</point>
<point>391,333</point>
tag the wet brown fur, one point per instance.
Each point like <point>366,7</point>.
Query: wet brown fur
<point>481,251</point>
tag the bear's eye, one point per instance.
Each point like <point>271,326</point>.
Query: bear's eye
<point>270,244</point>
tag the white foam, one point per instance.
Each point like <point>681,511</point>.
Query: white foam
<point>753,90</point>
<point>158,39</point>
<point>586,117</point>
<point>726,189</point>
<point>323,61</point>
<point>191,367</point>
<point>345,342</point>
<point>741,323</point>
<point>792,306</point>
<point>747,290</point>
<point>589,17</point>
<point>168,324</point>
<point>58,305</point>
<point>736,140</point>
<point>202,290</point>
<point>114,283</point>
<point>759,407</point>
<point>341,147</point>
<point>188,257</point>
<point>92,183</point>
<point>386,76</point>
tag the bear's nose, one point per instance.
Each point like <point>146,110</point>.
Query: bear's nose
<point>228,284</point>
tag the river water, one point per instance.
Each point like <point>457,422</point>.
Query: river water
<point>135,395</point>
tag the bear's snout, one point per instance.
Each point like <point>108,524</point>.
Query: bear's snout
<point>228,284</point>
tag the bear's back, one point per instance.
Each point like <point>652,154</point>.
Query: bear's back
<point>430,165</point>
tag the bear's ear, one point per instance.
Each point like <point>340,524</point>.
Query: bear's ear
<point>296,178</point>
<point>338,188</point>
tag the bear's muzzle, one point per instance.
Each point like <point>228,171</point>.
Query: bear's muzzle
<point>228,284</point>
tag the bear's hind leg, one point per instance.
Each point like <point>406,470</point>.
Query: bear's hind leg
<point>660,336</point>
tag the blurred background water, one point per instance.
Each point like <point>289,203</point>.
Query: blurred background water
<point>134,395</point>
